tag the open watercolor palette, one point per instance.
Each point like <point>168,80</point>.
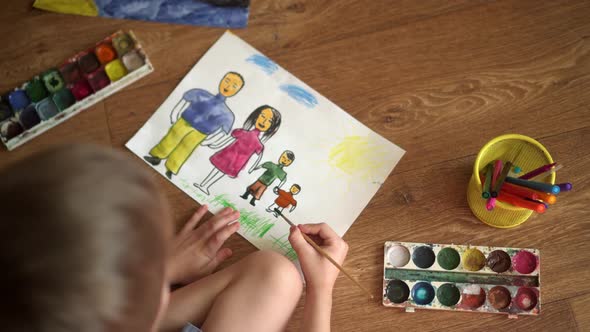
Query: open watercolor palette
<point>462,278</point>
<point>78,83</point>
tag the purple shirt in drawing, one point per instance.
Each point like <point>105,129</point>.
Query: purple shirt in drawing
<point>232,159</point>
<point>206,112</point>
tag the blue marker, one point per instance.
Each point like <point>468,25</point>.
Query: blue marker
<point>540,186</point>
<point>517,169</point>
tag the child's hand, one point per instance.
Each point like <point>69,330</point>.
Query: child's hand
<point>197,252</point>
<point>320,274</point>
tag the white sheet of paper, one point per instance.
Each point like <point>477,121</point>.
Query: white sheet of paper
<point>339,163</point>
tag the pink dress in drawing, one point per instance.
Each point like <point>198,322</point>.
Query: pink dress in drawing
<point>232,159</point>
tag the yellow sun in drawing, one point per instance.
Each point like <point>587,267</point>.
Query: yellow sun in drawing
<point>354,158</point>
<point>357,156</point>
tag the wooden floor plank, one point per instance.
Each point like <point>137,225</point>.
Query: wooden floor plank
<point>581,314</point>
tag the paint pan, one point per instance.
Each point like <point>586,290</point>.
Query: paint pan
<point>81,81</point>
<point>461,278</point>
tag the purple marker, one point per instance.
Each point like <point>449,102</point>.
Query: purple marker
<point>565,186</point>
<point>537,171</point>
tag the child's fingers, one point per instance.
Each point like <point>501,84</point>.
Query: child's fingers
<point>195,219</point>
<point>220,256</point>
<point>220,220</point>
<point>322,229</point>
<point>301,247</point>
<point>219,238</point>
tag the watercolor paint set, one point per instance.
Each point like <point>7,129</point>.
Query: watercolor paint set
<point>81,81</point>
<point>462,278</point>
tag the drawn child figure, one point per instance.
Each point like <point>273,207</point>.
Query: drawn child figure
<point>273,172</point>
<point>243,143</point>
<point>198,119</point>
<point>284,200</point>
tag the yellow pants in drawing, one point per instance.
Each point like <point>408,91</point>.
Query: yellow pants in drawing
<point>178,144</point>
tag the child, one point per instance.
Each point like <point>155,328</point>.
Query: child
<point>284,200</point>
<point>88,247</point>
<point>272,173</point>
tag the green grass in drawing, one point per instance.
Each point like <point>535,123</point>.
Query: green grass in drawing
<point>251,223</point>
<point>223,201</point>
<point>283,245</point>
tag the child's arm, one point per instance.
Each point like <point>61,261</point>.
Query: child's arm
<point>255,166</point>
<point>214,138</point>
<point>226,140</point>
<point>320,274</point>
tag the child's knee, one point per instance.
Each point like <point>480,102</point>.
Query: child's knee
<point>277,272</point>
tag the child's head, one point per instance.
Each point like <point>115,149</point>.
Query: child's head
<point>84,242</point>
<point>295,189</point>
<point>287,158</point>
<point>265,119</point>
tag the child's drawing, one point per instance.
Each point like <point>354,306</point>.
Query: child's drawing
<point>272,173</point>
<point>235,146</point>
<point>237,150</point>
<point>284,200</point>
<point>197,119</point>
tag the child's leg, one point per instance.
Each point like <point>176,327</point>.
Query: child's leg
<point>271,208</point>
<point>258,293</point>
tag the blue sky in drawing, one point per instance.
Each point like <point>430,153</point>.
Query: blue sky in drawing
<point>193,12</point>
<point>266,64</point>
<point>300,95</point>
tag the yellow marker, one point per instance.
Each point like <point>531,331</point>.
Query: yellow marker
<point>79,7</point>
<point>115,70</point>
<point>473,260</point>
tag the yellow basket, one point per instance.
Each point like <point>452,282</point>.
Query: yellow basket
<point>522,151</point>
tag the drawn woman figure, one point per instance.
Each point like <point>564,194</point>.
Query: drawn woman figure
<point>237,150</point>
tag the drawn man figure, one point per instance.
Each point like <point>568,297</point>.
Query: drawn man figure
<point>199,118</point>
<point>284,200</point>
<point>273,172</point>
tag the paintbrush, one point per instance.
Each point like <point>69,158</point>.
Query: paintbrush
<point>325,254</point>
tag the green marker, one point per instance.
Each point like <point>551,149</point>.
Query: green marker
<point>502,178</point>
<point>486,185</point>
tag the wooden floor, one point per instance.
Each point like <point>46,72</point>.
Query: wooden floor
<point>438,78</point>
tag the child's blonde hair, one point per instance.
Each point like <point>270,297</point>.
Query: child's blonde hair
<point>83,243</point>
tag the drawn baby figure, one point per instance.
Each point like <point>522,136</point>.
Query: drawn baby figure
<point>243,143</point>
<point>199,118</point>
<point>273,172</point>
<point>284,200</point>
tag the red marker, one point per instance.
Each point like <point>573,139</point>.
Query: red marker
<point>517,201</point>
<point>520,191</point>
